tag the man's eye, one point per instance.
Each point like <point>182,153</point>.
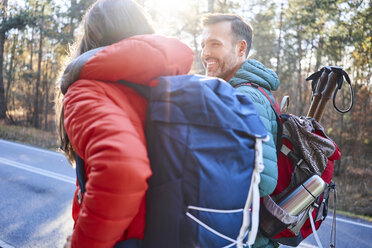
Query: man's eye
<point>215,44</point>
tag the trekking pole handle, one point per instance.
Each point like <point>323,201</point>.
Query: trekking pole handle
<point>318,91</point>
<point>326,93</point>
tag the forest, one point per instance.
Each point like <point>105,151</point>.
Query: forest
<point>295,38</point>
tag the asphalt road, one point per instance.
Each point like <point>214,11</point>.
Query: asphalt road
<point>350,233</point>
<point>36,189</point>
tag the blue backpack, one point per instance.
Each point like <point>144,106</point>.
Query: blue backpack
<point>205,148</point>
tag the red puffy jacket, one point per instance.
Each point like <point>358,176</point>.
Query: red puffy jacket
<point>105,122</point>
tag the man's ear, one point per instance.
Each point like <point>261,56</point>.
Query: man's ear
<point>242,47</point>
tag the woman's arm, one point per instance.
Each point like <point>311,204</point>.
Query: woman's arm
<point>116,161</point>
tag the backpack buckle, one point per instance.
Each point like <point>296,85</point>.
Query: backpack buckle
<point>79,197</point>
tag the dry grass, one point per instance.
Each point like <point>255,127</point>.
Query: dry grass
<point>29,136</point>
<point>354,191</point>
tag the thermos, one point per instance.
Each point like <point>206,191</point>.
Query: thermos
<point>273,219</point>
<point>303,196</point>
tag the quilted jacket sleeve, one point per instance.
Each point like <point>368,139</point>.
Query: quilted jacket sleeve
<point>269,176</point>
<point>107,138</point>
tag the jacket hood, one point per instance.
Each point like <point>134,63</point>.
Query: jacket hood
<point>138,59</point>
<point>254,72</point>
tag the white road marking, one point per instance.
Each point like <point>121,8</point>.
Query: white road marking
<point>39,171</point>
<point>5,245</point>
<point>305,245</point>
<point>350,222</point>
<point>31,148</point>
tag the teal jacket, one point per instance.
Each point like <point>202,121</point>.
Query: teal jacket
<point>253,71</point>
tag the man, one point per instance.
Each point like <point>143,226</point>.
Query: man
<point>226,42</point>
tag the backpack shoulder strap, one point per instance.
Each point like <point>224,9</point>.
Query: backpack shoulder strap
<point>80,176</point>
<point>143,90</point>
<point>276,108</point>
<point>274,104</point>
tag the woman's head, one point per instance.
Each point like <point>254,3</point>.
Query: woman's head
<point>109,21</point>
<point>105,23</point>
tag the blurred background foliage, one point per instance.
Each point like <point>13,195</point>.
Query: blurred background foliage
<point>293,37</point>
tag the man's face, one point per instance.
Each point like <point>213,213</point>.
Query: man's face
<point>219,53</point>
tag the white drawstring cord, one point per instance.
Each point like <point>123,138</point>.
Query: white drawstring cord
<point>209,228</point>
<point>253,199</point>
<point>314,230</point>
<point>211,210</point>
<point>233,242</point>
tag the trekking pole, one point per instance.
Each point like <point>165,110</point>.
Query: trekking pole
<point>318,84</point>
<point>324,82</point>
<point>327,91</point>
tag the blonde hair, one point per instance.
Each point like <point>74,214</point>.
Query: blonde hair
<point>105,23</point>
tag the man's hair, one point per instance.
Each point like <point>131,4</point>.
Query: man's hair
<point>241,29</point>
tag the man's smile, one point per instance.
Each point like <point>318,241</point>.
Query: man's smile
<point>211,63</point>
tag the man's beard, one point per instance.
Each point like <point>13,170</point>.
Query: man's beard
<point>225,68</point>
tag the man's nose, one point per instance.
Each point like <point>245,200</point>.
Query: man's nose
<point>205,52</point>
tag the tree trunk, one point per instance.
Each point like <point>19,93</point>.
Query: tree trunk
<point>46,87</point>
<point>197,61</point>
<point>32,49</point>
<point>46,104</point>
<point>10,73</point>
<point>299,75</point>
<point>36,121</point>
<point>338,170</point>
<point>319,54</point>
<point>73,9</point>
<point>3,107</point>
<point>210,6</point>
<point>279,40</point>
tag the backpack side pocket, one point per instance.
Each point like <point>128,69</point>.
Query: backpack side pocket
<point>273,219</point>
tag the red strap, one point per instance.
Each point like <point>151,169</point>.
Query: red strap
<point>277,112</point>
<point>275,106</point>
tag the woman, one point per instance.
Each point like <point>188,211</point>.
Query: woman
<point>103,121</point>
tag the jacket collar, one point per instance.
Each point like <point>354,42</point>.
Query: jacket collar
<point>254,72</point>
